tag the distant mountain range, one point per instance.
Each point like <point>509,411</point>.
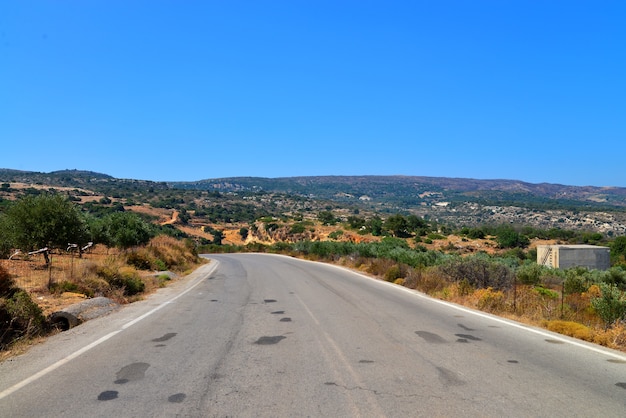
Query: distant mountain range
<point>398,191</point>
<point>419,190</point>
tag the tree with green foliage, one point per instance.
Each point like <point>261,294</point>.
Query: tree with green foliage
<point>43,221</point>
<point>417,225</point>
<point>326,217</point>
<point>473,233</point>
<point>618,249</point>
<point>375,225</point>
<point>397,225</point>
<point>507,237</point>
<point>218,236</point>
<point>122,230</point>
<point>356,222</point>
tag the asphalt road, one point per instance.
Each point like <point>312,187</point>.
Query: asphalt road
<point>253,335</point>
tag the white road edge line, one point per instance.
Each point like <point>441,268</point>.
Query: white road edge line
<point>99,341</point>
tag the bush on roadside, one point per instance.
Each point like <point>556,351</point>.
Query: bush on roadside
<point>20,317</point>
<point>393,273</point>
<point>570,328</point>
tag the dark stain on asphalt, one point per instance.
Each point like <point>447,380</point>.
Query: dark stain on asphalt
<point>551,341</point>
<point>449,378</point>
<point>465,328</point>
<point>161,345</point>
<point>462,340</point>
<point>278,312</point>
<point>512,361</point>
<point>132,372</point>
<point>621,385</point>
<point>269,300</point>
<point>468,337</point>
<point>285,319</point>
<point>165,337</point>
<point>459,316</point>
<point>177,398</point>
<point>107,395</point>
<point>270,340</point>
<point>214,300</point>
<point>366,361</point>
<point>431,337</point>
<point>614,360</point>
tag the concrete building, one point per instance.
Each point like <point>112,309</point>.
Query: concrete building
<point>566,256</point>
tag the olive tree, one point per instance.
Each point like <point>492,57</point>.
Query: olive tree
<point>45,220</point>
<point>121,230</point>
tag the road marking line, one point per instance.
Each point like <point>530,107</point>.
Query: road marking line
<point>99,341</point>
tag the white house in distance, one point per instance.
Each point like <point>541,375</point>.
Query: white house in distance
<point>566,256</point>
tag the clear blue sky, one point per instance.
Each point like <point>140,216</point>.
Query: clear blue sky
<point>531,90</point>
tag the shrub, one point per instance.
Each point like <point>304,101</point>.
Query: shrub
<point>64,286</point>
<point>611,305</point>
<point>120,277</point>
<point>550,294</point>
<point>158,265</point>
<point>615,276</point>
<point>573,329</point>
<point>129,280</point>
<point>297,228</point>
<point>575,284</point>
<point>20,317</point>
<point>6,282</point>
<point>530,273</point>
<point>489,299</point>
<point>139,260</point>
<point>393,273</point>
<point>335,234</point>
<point>433,236</point>
<point>479,272</point>
<point>162,279</point>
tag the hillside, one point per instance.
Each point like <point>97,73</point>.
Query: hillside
<point>415,190</point>
<point>454,201</point>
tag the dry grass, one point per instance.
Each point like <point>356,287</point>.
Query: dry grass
<point>71,279</point>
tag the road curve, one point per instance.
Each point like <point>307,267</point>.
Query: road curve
<point>253,335</point>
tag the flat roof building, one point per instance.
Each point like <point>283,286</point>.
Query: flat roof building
<point>566,256</point>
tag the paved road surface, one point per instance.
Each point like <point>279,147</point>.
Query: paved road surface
<point>259,335</point>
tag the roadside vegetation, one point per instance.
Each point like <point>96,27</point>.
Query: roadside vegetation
<point>58,246</point>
